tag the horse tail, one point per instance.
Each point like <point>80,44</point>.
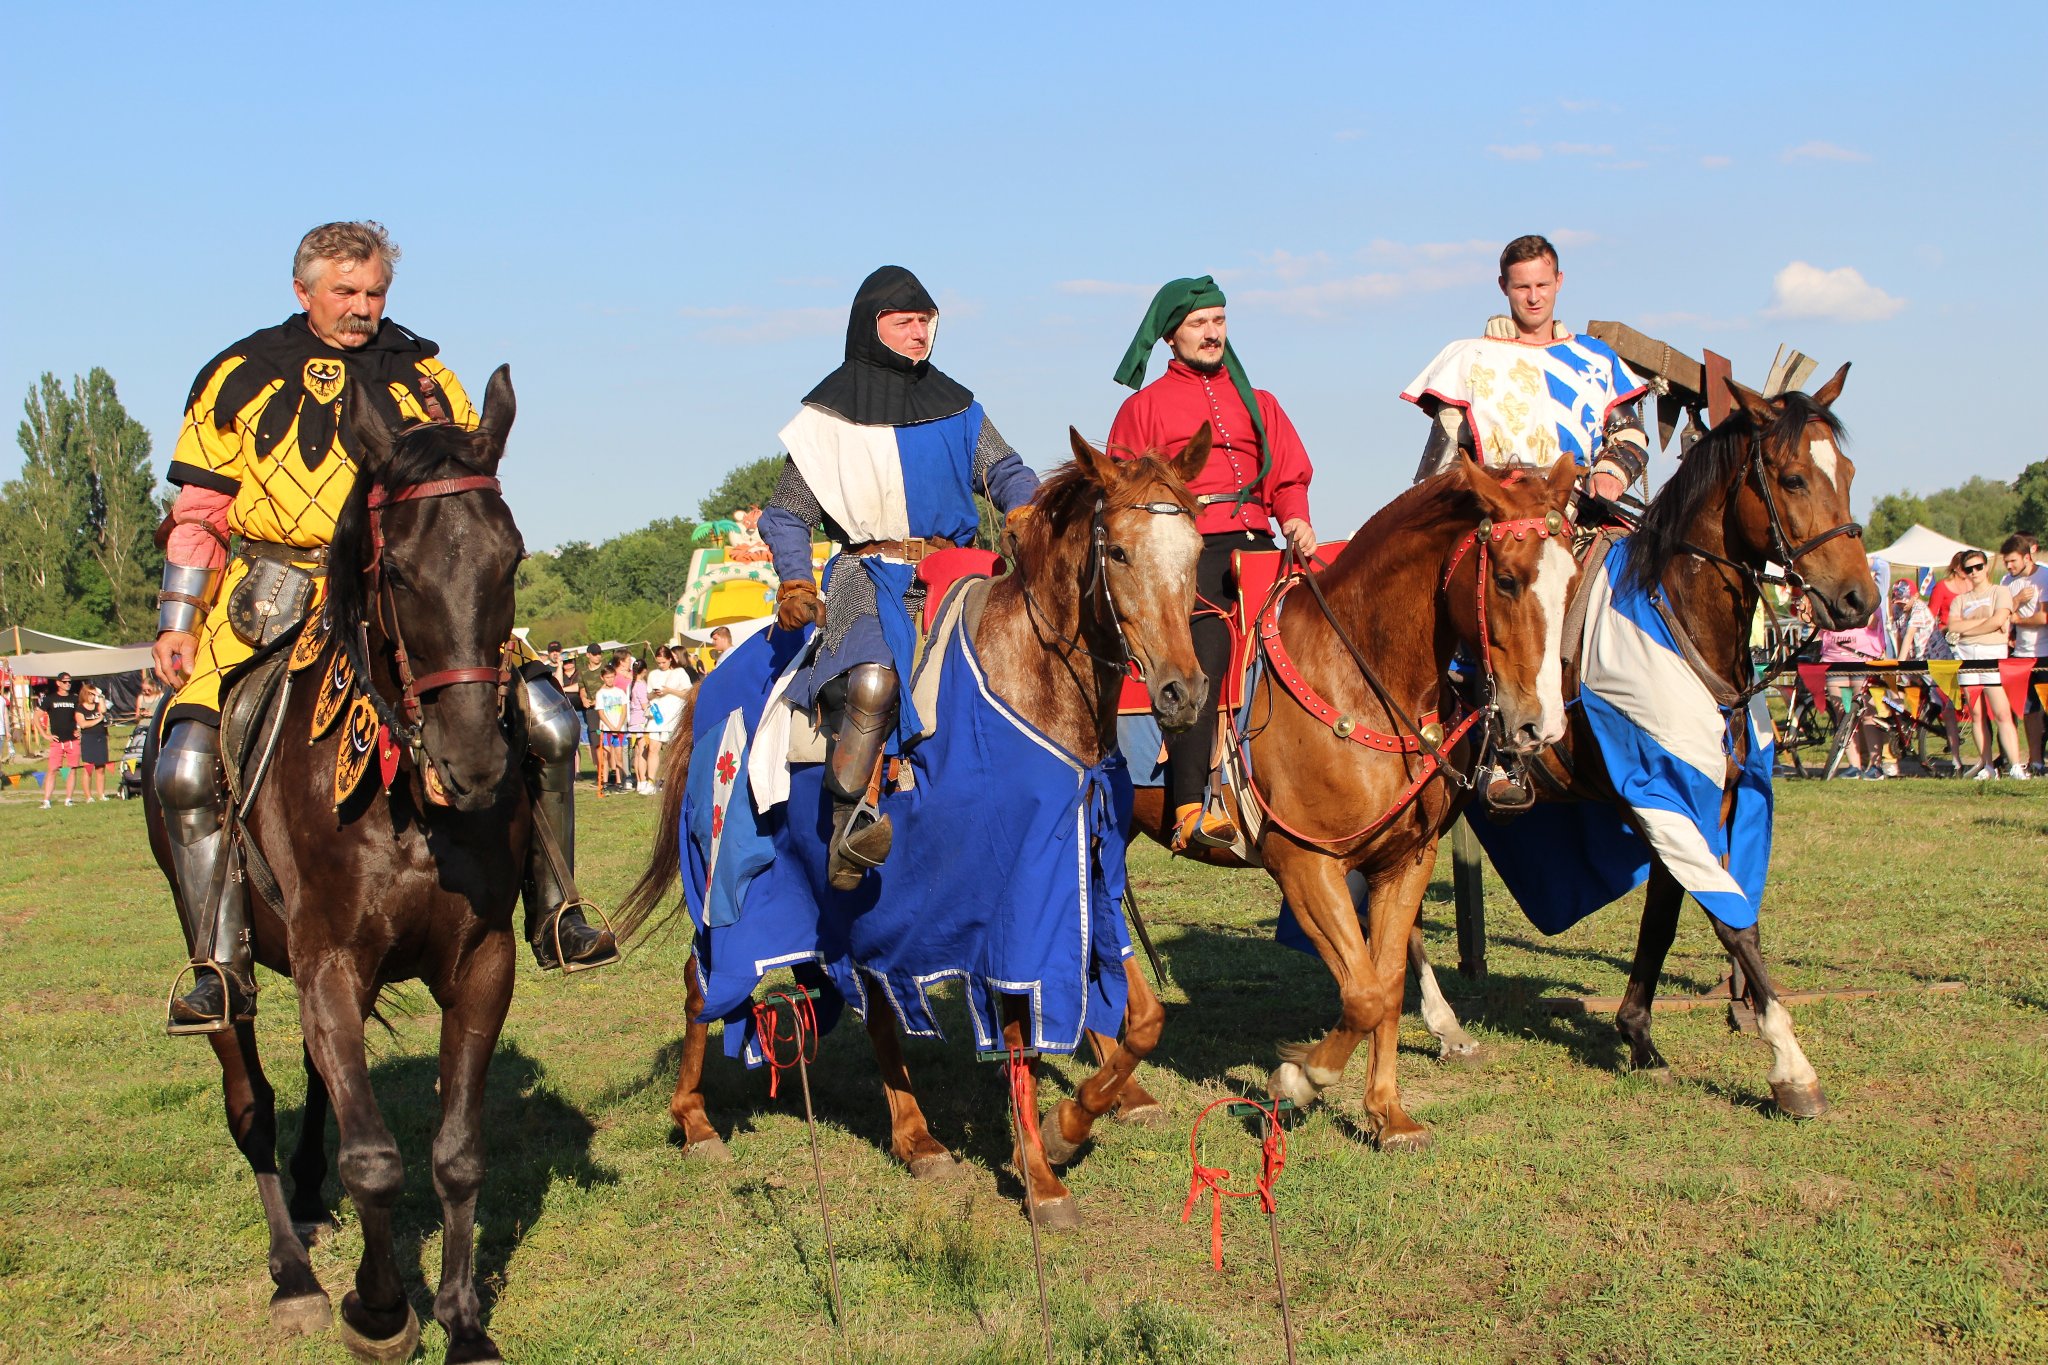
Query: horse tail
<point>666,864</point>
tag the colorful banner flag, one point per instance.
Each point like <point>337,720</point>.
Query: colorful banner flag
<point>2012,674</point>
<point>1944,671</point>
<point>1814,678</point>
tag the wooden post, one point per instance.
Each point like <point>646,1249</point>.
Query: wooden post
<point>1468,892</point>
<point>1720,402</point>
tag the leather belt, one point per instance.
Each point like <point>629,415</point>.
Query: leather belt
<point>309,559</point>
<point>910,551</point>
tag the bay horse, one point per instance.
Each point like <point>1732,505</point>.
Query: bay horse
<point>413,882</point>
<point>1467,562</point>
<point>1768,485</point>
<point>1104,575</point>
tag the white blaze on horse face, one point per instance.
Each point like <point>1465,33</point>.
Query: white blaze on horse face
<point>1552,585</point>
<point>1165,567</point>
<point>1825,459</point>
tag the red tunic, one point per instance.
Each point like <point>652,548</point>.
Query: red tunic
<point>1162,417</point>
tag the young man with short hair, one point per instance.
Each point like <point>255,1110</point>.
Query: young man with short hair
<point>2028,583</point>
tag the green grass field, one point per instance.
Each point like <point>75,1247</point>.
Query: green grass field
<point>1565,1212</point>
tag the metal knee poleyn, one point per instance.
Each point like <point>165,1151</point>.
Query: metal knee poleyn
<point>554,729</point>
<point>871,691</point>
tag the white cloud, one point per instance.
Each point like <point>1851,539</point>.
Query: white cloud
<point>1347,134</point>
<point>1822,151</point>
<point>1841,295</point>
<point>1107,288</point>
<point>1423,253</point>
<point>1584,106</point>
<point>1349,293</point>
<point>1520,151</point>
<point>1717,163</point>
<point>1582,148</point>
<point>1623,165</point>
<point>1573,237</point>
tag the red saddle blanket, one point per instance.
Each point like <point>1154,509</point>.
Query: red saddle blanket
<point>1257,571</point>
<point>943,568</point>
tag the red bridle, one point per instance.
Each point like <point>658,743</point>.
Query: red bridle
<point>412,688</point>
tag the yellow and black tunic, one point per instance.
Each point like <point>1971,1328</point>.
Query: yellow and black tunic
<point>263,426</point>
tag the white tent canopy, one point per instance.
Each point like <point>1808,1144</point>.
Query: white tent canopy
<point>1922,548</point>
<point>91,662</point>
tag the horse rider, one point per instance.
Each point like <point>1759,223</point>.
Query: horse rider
<point>887,454</point>
<point>1257,475</point>
<point>1529,392</point>
<point>263,456</point>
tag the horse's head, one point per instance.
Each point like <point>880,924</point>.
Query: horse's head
<point>1505,591</point>
<point>1111,547</point>
<point>1791,506</point>
<point>425,556</point>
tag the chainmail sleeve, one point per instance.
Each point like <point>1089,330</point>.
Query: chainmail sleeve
<point>786,523</point>
<point>1000,471</point>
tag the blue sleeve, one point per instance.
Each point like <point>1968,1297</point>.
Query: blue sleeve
<point>1011,482</point>
<point>786,522</point>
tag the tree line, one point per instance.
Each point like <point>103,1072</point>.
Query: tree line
<point>1979,511</point>
<point>78,553</point>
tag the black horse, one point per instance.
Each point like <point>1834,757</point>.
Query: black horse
<point>416,881</point>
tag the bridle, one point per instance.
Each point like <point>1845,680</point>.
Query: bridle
<point>1097,583</point>
<point>1782,552</point>
<point>1428,737</point>
<point>414,688</point>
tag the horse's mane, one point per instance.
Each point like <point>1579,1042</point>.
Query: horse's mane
<point>1422,506</point>
<point>1707,472</point>
<point>1067,496</point>
<point>417,454</point>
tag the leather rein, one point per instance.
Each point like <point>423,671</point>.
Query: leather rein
<point>1425,735</point>
<point>1785,554</point>
<point>1097,586</point>
<point>414,688</point>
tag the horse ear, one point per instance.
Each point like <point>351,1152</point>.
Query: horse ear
<point>1100,468</point>
<point>1187,466</point>
<point>1485,486</point>
<point>368,434</point>
<point>499,409</point>
<point>1827,393</point>
<point>1761,410</point>
<point>1563,478</point>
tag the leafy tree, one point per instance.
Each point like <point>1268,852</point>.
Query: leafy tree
<point>751,485</point>
<point>77,554</point>
<point>2030,513</point>
<point>1980,512</point>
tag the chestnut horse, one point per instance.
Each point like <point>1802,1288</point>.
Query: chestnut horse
<point>1104,575</point>
<point>412,883</point>
<point>1464,562</point>
<point>1769,484</point>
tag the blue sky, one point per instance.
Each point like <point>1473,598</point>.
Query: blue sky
<point>657,215</point>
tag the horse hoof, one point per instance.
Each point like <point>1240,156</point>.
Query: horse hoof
<point>710,1151</point>
<point>398,1346</point>
<point>1290,1082</point>
<point>1058,1150</point>
<point>1799,1101</point>
<point>1151,1115</point>
<point>1656,1075</point>
<point>1057,1215</point>
<point>943,1166</point>
<point>1458,1050</point>
<point>1415,1139</point>
<point>301,1315</point>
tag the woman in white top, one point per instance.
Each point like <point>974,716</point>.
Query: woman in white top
<point>668,687</point>
<point>1978,620</point>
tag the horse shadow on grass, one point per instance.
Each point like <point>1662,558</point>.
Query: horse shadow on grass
<point>533,1138</point>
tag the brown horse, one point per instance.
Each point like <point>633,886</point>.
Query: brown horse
<point>1104,575</point>
<point>1348,787</point>
<point>416,882</point>
<point>1770,484</point>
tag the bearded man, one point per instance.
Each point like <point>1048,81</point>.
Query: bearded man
<point>1529,392</point>
<point>1257,475</point>
<point>263,469</point>
<point>886,453</point>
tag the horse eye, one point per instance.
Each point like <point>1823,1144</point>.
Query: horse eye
<point>1116,552</point>
<point>1506,583</point>
<point>1793,483</point>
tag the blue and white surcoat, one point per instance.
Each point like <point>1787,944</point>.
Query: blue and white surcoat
<point>1528,404</point>
<point>880,483</point>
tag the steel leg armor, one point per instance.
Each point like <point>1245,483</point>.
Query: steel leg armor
<point>555,926</point>
<point>210,893</point>
<point>861,836</point>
